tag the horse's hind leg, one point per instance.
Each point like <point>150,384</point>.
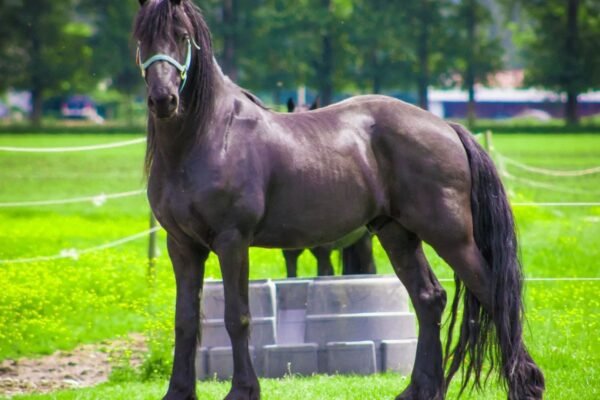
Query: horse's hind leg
<point>358,257</point>
<point>323,256</point>
<point>429,299</point>
<point>291,261</point>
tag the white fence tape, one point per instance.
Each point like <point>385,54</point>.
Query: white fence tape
<point>555,204</point>
<point>75,253</point>
<point>73,148</point>
<point>557,279</point>
<point>548,186</point>
<point>544,171</point>
<point>97,200</point>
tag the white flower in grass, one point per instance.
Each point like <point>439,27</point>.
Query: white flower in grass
<point>99,200</point>
<point>70,253</point>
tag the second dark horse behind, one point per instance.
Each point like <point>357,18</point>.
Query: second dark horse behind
<point>226,174</point>
<point>356,248</point>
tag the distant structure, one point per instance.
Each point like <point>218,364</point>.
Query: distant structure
<point>507,99</point>
<point>509,103</point>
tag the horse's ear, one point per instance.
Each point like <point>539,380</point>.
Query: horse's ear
<point>142,2</point>
<point>316,104</point>
<point>290,105</point>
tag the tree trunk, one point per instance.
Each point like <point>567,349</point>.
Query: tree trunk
<point>229,39</point>
<point>326,78</point>
<point>571,112</point>
<point>423,55</point>
<point>572,61</point>
<point>470,72</point>
<point>325,62</point>
<point>375,68</point>
<point>37,80</point>
<point>37,102</point>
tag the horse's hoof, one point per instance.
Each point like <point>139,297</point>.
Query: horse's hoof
<point>413,392</point>
<point>177,396</point>
<point>246,393</point>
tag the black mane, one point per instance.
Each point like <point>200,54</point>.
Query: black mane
<point>157,20</point>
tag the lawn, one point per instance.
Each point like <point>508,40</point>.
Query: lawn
<point>59,304</point>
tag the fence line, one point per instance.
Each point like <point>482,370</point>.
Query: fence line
<point>591,204</point>
<point>75,253</point>
<point>548,186</point>
<point>73,148</point>
<point>544,171</point>
<point>97,200</point>
<point>549,279</point>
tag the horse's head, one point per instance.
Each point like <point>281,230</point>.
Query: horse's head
<point>166,42</point>
<point>291,106</point>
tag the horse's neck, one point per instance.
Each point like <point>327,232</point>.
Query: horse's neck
<point>176,138</point>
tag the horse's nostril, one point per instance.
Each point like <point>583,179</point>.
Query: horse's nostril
<point>173,101</point>
<point>163,104</point>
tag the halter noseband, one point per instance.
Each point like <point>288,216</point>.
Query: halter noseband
<point>183,69</point>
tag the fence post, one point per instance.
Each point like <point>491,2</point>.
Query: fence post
<point>487,141</point>
<point>152,251</point>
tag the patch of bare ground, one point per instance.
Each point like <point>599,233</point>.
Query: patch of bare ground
<point>86,365</point>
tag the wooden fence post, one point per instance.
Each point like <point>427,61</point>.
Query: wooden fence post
<point>487,141</point>
<point>152,250</point>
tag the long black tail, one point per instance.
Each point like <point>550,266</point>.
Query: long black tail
<point>494,334</point>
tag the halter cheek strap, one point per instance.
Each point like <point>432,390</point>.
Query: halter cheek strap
<point>183,69</point>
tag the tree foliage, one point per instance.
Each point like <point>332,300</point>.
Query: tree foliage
<point>113,47</point>
<point>332,46</point>
<point>47,49</point>
<point>561,46</point>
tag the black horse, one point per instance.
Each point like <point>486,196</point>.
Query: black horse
<point>356,249</point>
<point>226,174</point>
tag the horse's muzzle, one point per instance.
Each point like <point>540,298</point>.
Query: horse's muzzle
<point>163,104</point>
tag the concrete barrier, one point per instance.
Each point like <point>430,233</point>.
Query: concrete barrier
<point>295,359</point>
<point>351,358</point>
<point>322,329</point>
<point>262,332</point>
<point>398,355</point>
<point>220,362</point>
<point>351,296</point>
<point>261,296</point>
<point>321,325</point>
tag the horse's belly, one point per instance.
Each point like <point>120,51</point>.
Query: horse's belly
<point>310,215</point>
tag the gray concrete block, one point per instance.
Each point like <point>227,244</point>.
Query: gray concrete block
<point>220,362</point>
<point>201,363</point>
<point>351,358</point>
<point>262,332</point>
<point>357,295</point>
<point>376,327</point>
<point>280,360</point>
<point>291,325</point>
<point>292,293</point>
<point>398,355</point>
<point>261,296</point>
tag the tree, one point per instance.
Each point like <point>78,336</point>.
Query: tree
<point>48,52</point>
<point>113,56</point>
<point>561,47</point>
<point>473,51</point>
<point>425,34</point>
<point>285,44</point>
<point>377,45</point>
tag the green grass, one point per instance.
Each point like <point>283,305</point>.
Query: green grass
<point>47,306</point>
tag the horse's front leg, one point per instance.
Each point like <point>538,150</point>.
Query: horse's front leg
<point>188,264</point>
<point>232,249</point>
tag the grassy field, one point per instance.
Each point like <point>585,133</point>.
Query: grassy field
<point>52,305</point>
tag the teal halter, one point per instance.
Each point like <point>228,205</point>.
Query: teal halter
<point>183,69</point>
